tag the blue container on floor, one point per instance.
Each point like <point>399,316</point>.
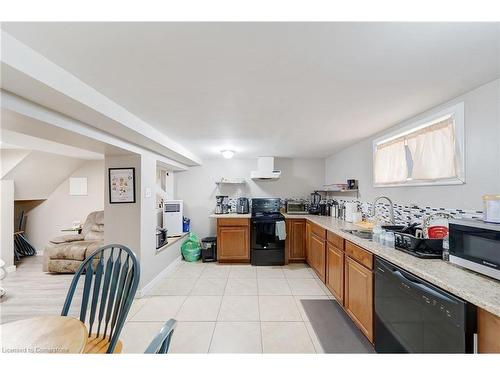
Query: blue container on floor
<point>186,224</point>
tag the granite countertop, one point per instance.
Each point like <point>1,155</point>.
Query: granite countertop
<point>482,291</point>
<point>232,215</point>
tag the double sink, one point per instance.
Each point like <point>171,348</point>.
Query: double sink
<point>368,234</point>
<point>361,233</point>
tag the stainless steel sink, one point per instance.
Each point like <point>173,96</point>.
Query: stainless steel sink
<point>365,234</point>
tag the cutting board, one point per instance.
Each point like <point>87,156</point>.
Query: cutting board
<point>365,225</point>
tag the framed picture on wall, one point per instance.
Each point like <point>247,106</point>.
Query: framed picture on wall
<point>121,185</point>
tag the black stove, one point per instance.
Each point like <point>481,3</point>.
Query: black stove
<point>266,248</point>
<point>267,216</point>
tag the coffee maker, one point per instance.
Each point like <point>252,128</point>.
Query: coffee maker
<point>242,206</point>
<point>314,207</point>
<point>222,204</point>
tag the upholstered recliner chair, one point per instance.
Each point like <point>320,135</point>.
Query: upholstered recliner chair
<point>64,254</point>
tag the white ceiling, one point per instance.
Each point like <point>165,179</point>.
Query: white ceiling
<point>282,89</point>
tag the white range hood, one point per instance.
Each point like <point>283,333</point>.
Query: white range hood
<point>265,169</point>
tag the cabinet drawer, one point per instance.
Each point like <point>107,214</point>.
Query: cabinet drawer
<point>233,222</point>
<point>318,231</point>
<point>359,254</point>
<point>335,240</point>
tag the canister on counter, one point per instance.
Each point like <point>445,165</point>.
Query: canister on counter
<point>491,204</point>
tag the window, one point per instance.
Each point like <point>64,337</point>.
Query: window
<point>428,152</point>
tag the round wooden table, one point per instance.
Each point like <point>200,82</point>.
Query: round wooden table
<point>44,335</point>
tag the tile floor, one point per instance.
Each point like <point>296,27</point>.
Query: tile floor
<point>229,309</point>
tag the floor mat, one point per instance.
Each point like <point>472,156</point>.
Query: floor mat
<point>334,329</point>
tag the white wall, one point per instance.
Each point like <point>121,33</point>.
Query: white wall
<point>299,177</point>
<point>39,173</point>
<point>482,130</point>
<point>61,209</point>
<point>10,158</point>
<point>7,222</point>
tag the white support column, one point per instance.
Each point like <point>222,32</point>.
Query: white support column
<point>134,224</point>
<point>7,224</point>
<point>122,221</point>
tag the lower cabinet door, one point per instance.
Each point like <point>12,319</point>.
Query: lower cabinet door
<point>488,330</point>
<point>318,256</point>
<point>335,272</point>
<point>308,243</point>
<point>233,243</point>
<point>298,240</point>
<point>358,296</point>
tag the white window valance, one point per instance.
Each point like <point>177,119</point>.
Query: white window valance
<point>428,152</point>
<point>390,162</point>
<point>433,151</point>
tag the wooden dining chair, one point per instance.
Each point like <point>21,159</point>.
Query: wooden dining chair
<point>111,276</point>
<point>161,342</point>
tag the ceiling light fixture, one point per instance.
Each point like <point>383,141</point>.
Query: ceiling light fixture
<point>228,154</point>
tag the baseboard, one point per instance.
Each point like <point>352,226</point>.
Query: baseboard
<point>147,288</point>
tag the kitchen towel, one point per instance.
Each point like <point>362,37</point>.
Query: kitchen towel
<point>280,230</point>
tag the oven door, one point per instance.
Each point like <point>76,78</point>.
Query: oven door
<point>476,246</point>
<point>263,236</point>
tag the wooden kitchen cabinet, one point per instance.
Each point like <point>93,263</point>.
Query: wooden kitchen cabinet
<point>318,231</point>
<point>233,240</point>
<point>308,242</point>
<point>335,271</point>
<point>488,332</point>
<point>317,256</point>
<point>358,295</point>
<point>335,240</point>
<point>359,254</point>
<point>295,244</point>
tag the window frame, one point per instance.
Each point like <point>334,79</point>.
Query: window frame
<point>458,113</point>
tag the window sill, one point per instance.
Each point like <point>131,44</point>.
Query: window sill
<point>171,241</point>
<point>451,181</point>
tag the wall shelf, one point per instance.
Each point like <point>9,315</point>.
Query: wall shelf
<point>337,191</point>
<point>341,192</point>
<point>233,181</point>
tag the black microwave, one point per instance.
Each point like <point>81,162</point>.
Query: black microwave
<point>475,245</point>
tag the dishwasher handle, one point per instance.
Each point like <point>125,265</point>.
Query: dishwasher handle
<point>417,284</point>
<point>410,280</point>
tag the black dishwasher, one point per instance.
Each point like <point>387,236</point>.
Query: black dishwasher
<point>413,316</point>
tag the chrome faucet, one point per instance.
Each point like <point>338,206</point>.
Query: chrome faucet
<point>391,207</point>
